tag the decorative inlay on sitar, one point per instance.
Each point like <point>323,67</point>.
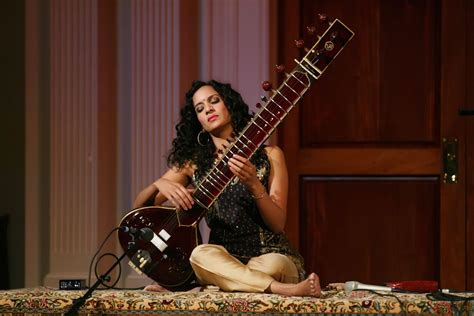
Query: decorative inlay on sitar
<point>164,255</point>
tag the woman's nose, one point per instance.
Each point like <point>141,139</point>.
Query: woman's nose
<point>209,108</point>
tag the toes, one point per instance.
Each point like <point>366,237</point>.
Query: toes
<point>314,286</point>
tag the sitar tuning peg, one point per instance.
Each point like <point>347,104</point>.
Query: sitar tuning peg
<point>258,105</point>
<point>266,85</point>
<point>323,18</point>
<point>280,68</point>
<point>264,98</point>
<point>311,30</point>
<point>299,43</point>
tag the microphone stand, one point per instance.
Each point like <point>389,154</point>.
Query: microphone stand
<point>80,301</point>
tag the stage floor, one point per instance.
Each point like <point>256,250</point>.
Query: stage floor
<point>42,301</point>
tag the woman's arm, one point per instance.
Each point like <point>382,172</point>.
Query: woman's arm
<point>146,197</point>
<point>171,186</point>
<point>271,203</point>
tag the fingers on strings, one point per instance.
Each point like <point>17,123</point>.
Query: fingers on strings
<point>240,166</point>
<point>182,198</point>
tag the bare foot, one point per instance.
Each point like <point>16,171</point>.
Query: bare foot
<point>155,288</point>
<point>159,288</point>
<point>308,287</point>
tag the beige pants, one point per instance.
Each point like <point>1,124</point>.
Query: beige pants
<point>212,264</point>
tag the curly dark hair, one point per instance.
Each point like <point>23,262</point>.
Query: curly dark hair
<point>185,148</point>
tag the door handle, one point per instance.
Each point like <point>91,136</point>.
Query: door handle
<point>466,111</point>
<point>450,160</point>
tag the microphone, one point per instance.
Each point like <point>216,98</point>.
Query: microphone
<point>145,233</point>
<point>350,286</point>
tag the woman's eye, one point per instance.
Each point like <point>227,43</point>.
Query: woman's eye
<point>199,109</point>
<point>215,100</point>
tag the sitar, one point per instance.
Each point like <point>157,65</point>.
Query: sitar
<point>173,233</point>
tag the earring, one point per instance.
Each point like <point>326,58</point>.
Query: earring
<point>199,136</point>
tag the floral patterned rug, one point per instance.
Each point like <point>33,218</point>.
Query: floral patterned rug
<point>41,300</point>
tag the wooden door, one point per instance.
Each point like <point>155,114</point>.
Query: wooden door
<point>469,134</point>
<point>364,147</point>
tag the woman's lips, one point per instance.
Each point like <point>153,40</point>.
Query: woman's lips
<point>212,118</point>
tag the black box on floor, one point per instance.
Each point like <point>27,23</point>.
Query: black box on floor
<point>73,284</point>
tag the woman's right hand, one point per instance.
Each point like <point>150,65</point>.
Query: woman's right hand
<point>175,192</point>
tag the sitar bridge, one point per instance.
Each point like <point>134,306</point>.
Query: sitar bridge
<point>140,260</point>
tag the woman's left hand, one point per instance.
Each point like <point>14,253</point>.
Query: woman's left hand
<point>245,171</point>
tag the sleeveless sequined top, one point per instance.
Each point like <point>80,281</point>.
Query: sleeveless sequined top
<point>236,224</point>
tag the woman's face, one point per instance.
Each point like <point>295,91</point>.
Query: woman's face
<point>211,110</point>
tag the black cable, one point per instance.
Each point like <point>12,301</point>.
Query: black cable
<point>402,306</point>
<point>113,287</point>
<point>96,264</point>
<point>97,252</point>
<point>77,303</point>
<point>441,296</point>
<point>102,277</point>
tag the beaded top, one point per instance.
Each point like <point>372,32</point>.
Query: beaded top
<point>236,224</point>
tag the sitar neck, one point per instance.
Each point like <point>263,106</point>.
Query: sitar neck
<point>272,113</point>
<point>257,131</point>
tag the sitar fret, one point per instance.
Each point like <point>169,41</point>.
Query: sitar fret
<point>264,120</point>
<point>239,151</point>
<point>264,125</point>
<point>266,110</point>
<point>289,87</point>
<point>243,144</point>
<point>275,109</point>
<point>204,190</point>
<point>278,105</point>
<point>249,141</point>
<point>227,179</point>
<point>292,74</point>
<point>216,184</point>
<point>283,96</point>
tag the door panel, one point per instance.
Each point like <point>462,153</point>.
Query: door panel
<point>388,76</point>
<point>380,225</point>
<point>364,147</point>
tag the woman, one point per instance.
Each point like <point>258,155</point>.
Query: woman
<point>247,249</point>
